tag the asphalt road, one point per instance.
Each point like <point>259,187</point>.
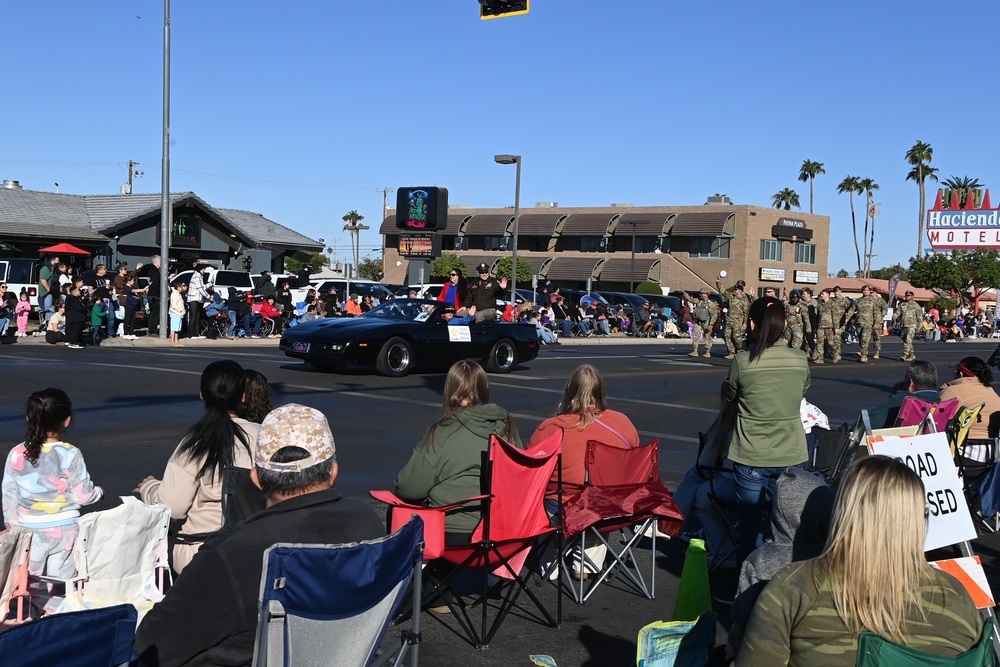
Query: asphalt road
<point>132,405</point>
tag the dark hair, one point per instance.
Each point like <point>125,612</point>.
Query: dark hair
<point>212,437</point>
<point>258,399</point>
<point>923,375</point>
<point>978,367</point>
<point>272,482</point>
<point>46,412</point>
<point>768,317</point>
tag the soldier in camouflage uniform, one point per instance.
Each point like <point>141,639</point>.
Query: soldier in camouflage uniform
<point>810,304</point>
<point>843,310</point>
<point>736,319</point>
<point>703,314</point>
<point>910,315</point>
<point>826,333</point>
<point>871,312</point>
<point>797,319</point>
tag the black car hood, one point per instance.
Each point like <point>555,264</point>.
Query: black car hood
<point>332,326</point>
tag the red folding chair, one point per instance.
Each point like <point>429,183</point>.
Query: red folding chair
<point>622,490</point>
<point>514,521</point>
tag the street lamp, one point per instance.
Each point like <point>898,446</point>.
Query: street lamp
<point>513,159</point>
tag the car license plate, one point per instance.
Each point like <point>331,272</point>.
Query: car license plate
<point>300,347</point>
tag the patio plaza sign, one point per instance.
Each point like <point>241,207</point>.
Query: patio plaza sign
<point>967,228</point>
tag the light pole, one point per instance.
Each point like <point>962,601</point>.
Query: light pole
<point>631,276</point>
<point>513,159</point>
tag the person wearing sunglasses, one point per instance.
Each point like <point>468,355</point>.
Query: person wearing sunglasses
<point>483,294</point>
<point>455,292</point>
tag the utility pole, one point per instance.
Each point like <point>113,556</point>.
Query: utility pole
<point>385,200</point>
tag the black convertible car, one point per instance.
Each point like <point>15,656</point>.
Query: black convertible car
<point>402,334</point>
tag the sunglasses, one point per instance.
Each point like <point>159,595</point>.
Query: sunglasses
<point>453,275</point>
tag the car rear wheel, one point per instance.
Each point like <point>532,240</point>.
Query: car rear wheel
<point>502,357</point>
<point>395,358</point>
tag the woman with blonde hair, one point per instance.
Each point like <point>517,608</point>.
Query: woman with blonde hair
<point>446,463</point>
<point>872,576</point>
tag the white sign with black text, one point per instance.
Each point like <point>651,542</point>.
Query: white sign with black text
<point>948,518</point>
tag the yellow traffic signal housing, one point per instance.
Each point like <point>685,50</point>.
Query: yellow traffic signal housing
<point>494,9</point>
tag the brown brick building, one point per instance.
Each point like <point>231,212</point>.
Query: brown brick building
<point>679,247</point>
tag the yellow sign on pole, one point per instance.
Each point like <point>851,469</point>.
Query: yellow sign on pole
<point>495,9</point>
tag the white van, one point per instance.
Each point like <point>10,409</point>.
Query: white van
<point>21,274</point>
<point>222,279</point>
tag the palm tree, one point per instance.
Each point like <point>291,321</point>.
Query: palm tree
<point>354,226</point>
<point>964,185</point>
<point>808,172</point>
<point>852,186</point>
<point>920,157</point>
<point>786,199</point>
<point>868,186</point>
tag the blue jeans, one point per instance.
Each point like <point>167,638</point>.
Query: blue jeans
<point>565,324</point>
<point>754,491</point>
<point>46,308</point>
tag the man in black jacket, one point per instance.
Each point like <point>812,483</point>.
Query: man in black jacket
<point>209,617</point>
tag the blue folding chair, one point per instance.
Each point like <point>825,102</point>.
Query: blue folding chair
<point>89,638</point>
<point>332,604</point>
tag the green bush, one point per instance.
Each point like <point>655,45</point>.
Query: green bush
<point>648,287</point>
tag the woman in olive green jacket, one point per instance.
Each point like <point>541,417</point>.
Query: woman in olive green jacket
<point>766,383</point>
<point>446,464</point>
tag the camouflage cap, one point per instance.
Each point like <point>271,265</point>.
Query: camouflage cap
<point>294,425</point>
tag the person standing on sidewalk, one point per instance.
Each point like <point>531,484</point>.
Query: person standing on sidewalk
<point>704,314</point>
<point>196,296</point>
<point>736,319</point>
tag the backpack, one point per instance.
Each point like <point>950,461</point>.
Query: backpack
<point>701,313</point>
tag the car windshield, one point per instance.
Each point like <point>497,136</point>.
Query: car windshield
<point>413,310</point>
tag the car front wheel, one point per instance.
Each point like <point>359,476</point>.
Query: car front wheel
<point>395,358</point>
<point>502,357</point>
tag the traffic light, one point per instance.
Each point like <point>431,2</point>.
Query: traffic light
<point>492,9</point>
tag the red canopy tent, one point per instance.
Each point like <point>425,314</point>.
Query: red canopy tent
<point>64,249</point>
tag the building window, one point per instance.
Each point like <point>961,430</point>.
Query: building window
<point>645,243</point>
<point>770,250</point>
<point>592,244</point>
<point>805,253</point>
<point>709,247</point>
<point>495,243</point>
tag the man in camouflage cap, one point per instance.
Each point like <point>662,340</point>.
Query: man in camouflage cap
<point>910,315</point>
<point>736,319</point>
<point>797,321</point>
<point>871,311</point>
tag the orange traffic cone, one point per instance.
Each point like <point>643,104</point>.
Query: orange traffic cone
<point>694,597</point>
<point>885,328</point>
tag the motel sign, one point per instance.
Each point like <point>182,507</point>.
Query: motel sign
<point>968,228</point>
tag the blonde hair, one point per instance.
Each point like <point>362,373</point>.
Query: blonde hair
<point>584,395</point>
<point>875,552</point>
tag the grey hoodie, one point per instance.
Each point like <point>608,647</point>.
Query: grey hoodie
<point>800,523</point>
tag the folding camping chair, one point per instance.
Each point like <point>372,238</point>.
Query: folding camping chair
<point>89,638</point>
<point>119,553</point>
<point>241,498</point>
<point>514,521</point>
<point>976,462</point>
<point>622,489</point>
<point>15,547</point>
<point>332,604</point>
<point>915,411</point>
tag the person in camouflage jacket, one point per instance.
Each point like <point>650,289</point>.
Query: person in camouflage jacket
<point>797,321</point>
<point>704,314</point>
<point>828,333</point>
<point>871,312</point>
<point>736,319</point>
<point>811,305</point>
<point>910,316</point>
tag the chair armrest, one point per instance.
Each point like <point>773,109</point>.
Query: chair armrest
<point>389,498</point>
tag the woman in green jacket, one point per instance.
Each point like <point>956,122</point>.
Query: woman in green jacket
<point>766,384</point>
<point>446,463</point>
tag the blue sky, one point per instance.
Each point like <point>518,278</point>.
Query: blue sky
<point>302,110</point>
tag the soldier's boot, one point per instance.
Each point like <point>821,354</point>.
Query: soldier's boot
<point>693,353</point>
<point>836,358</point>
<point>817,360</point>
<point>875,356</point>
<point>730,356</point>
<point>864,359</point>
<point>708,352</point>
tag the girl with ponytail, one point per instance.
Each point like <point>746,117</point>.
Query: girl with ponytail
<point>45,482</point>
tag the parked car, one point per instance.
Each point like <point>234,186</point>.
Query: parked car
<point>362,287</point>
<point>402,334</point>
<point>632,302</point>
<point>21,274</point>
<point>664,302</point>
